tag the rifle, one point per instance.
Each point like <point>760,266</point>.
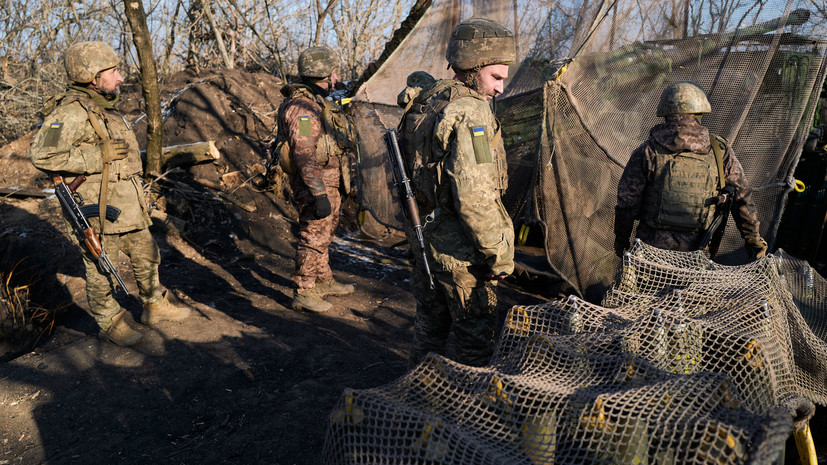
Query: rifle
<point>77,215</point>
<point>406,195</point>
<point>713,235</point>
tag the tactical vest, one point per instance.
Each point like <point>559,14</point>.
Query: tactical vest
<point>114,126</point>
<point>678,198</point>
<point>337,136</point>
<point>122,187</point>
<point>416,131</point>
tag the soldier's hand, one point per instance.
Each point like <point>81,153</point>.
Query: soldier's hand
<point>757,247</point>
<point>496,277</point>
<point>113,149</point>
<point>322,206</point>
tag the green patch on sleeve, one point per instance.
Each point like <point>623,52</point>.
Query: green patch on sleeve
<point>482,149</point>
<point>304,126</point>
<point>53,135</point>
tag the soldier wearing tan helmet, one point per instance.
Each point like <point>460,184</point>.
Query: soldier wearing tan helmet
<point>674,181</point>
<point>316,138</point>
<point>83,134</point>
<point>454,153</point>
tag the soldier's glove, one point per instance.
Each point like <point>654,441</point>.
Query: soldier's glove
<point>322,206</point>
<point>113,149</point>
<point>756,247</point>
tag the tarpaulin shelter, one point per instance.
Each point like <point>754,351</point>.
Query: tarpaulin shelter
<point>583,97</point>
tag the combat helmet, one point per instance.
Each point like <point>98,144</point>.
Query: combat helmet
<point>84,60</point>
<point>317,62</point>
<point>683,98</point>
<point>478,42</point>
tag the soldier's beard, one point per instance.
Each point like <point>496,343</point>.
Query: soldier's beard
<point>109,94</point>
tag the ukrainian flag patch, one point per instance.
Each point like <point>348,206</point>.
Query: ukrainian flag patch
<point>304,126</point>
<point>479,139</point>
<point>53,134</point>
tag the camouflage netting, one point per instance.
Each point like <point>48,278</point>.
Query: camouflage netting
<point>687,361</point>
<point>569,137</point>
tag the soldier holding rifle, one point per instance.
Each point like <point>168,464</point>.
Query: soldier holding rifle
<point>454,153</point>
<point>83,134</point>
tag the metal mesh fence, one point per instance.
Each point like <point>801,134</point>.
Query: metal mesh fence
<point>685,361</point>
<point>568,138</point>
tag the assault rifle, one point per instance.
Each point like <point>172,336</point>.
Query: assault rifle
<point>77,215</point>
<point>715,232</point>
<point>406,195</point>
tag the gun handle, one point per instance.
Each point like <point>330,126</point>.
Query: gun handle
<point>73,186</point>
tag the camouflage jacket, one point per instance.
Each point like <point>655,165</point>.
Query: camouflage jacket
<point>677,134</point>
<point>470,225</point>
<point>318,136</point>
<point>67,145</point>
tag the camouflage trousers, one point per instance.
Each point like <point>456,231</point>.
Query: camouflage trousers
<point>315,235</point>
<point>460,301</point>
<point>145,256</point>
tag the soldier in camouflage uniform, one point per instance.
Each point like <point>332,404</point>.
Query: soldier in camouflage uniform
<point>454,153</point>
<point>83,133</point>
<point>318,136</point>
<point>671,181</point>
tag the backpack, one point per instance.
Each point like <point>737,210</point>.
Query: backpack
<point>423,105</point>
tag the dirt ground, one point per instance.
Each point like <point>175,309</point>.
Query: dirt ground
<point>245,379</point>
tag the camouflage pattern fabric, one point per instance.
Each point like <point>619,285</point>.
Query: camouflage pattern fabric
<point>317,62</point>
<point>683,98</point>
<point>145,256</point>
<point>316,156</point>
<point>315,235</point>
<point>84,60</point>
<point>68,145</point>
<point>470,236</point>
<point>462,301</point>
<point>478,42</point>
<point>678,133</point>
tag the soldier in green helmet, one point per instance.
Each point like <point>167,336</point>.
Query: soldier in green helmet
<point>454,152</point>
<point>83,134</point>
<point>318,137</point>
<point>674,180</point>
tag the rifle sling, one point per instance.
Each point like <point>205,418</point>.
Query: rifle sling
<point>716,224</point>
<point>719,159</point>
<point>103,135</point>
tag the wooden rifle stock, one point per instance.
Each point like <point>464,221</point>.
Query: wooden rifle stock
<point>406,195</point>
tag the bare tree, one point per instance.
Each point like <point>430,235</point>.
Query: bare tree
<point>136,16</point>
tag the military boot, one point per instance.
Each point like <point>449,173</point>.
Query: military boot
<point>333,287</point>
<point>309,299</point>
<point>163,310</point>
<point>119,332</point>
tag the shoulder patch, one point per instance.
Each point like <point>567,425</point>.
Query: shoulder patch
<point>304,126</point>
<point>482,149</point>
<point>53,134</point>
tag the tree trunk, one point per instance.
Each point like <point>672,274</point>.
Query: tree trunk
<point>136,16</point>
<point>218,39</point>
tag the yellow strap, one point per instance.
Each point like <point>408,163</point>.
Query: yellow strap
<point>719,159</point>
